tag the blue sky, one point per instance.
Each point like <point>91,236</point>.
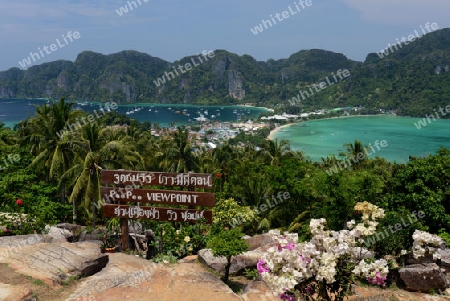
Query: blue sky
<point>171,29</point>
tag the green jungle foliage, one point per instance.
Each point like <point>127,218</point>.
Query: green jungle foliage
<point>57,179</point>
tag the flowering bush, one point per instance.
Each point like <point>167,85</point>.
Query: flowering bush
<point>180,240</point>
<point>424,243</point>
<point>325,266</point>
<point>228,213</point>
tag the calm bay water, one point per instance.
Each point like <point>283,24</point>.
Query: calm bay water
<point>319,138</point>
<point>14,110</point>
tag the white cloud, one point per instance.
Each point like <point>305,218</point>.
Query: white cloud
<point>402,12</point>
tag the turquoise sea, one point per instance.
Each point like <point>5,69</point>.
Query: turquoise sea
<point>14,110</point>
<point>320,138</point>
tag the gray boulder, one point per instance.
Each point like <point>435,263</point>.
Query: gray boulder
<point>259,241</point>
<point>258,291</point>
<point>59,234</point>
<point>423,277</point>
<point>55,262</point>
<point>238,263</point>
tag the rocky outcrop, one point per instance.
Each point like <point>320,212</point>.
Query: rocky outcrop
<point>15,293</point>
<point>423,277</point>
<point>259,241</point>
<point>238,263</point>
<point>132,278</point>
<point>53,263</point>
<point>235,85</point>
<point>258,291</point>
<point>258,245</point>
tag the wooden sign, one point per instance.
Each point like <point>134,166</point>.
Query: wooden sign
<point>154,196</point>
<point>124,177</point>
<point>156,213</point>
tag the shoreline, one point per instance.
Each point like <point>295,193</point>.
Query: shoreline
<point>278,128</point>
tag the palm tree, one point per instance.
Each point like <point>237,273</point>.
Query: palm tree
<point>355,153</point>
<point>276,151</point>
<point>93,149</point>
<point>45,135</point>
<point>181,155</point>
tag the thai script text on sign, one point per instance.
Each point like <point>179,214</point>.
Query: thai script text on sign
<point>156,213</point>
<point>157,178</point>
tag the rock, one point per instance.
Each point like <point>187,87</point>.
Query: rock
<point>55,262</point>
<point>67,226</point>
<point>423,277</point>
<point>90,235</point>
<point>445,259</point>
<point>238,263</point>
<point>75,231</point>
<point>13,243</point>
<point>258,241</point>
<point>14,293</point>
<point>258,291</point>
<point>135,227</point>
<point>133,278</point>
<point>59,234</point>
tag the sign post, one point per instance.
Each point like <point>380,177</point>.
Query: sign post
<point>118,198</point>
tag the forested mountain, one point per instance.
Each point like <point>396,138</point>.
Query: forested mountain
<point>412,80</point>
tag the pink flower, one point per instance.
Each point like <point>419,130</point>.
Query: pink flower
<point>378,279</point>
<point>290,246</point>
<point>260,266</point>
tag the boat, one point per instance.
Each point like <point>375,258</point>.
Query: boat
<point>177,112</point>
<point>201,118</point>
<point>150,110</point>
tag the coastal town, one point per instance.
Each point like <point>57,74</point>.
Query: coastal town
<point>210,134</point>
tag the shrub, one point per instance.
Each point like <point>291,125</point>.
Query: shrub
<point>228,243</point>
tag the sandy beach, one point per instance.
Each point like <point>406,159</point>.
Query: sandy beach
<point>273,132</point>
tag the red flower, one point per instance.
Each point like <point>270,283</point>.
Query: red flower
<point>218,175</point>
<point>5,231</point>
<point>19,202</point>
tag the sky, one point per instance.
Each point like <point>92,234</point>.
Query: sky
<point>172,29</point>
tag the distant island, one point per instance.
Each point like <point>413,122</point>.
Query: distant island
<point>413,81</point>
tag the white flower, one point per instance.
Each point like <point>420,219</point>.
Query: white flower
<point>351,224</point>
<point>290,263</point>
<point>187,239</point>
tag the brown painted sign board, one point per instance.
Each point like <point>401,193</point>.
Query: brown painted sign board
<point>155,196</point>
<point>156,213</point>
<point>125,177</point>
